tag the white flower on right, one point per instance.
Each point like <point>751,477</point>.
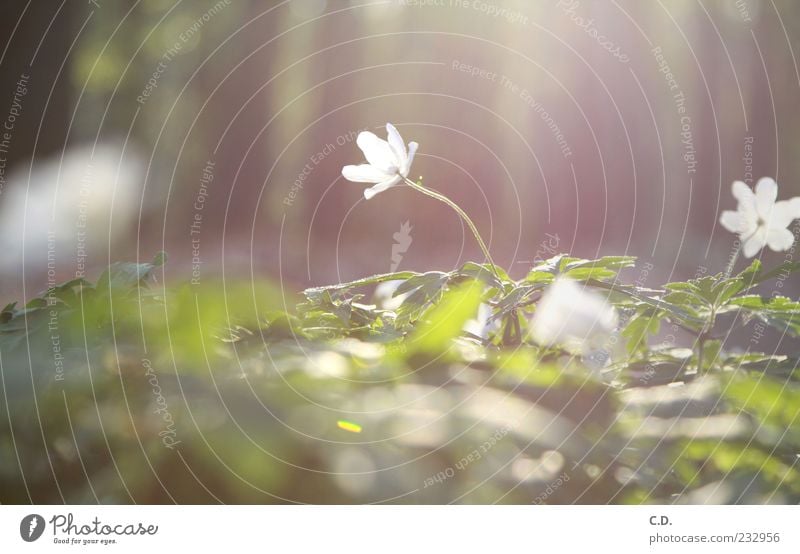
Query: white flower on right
<point>389,161</point>
<point>759,220</point>
<point>570,315</point>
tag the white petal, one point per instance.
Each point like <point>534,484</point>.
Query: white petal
<point>567,313</point>
<point>412,149</point>
<point>732,221</point>
<point>378,152</point>
<point>783,213</point>
<point>766,194</point>
<point>364,173</point>
<point>742,192</point>
<point>384,295</point>
<point>742,222</point>
<point>780,239</point>
<point>380,187</point>
<point>755,243</point>
<point>746,201</point>
<point>479,325</point>
<point>397,144</point>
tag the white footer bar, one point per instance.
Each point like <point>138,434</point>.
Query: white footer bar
<point>389,529</point>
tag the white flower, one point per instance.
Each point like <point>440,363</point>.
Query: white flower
<point>480,326</point>
<point>389,161</point>
<point>570,315</point>
<point>759,220</point>
<point>384,294</point>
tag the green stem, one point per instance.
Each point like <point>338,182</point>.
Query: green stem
<point>735,258</point>
<point>700,347</point>
<point>705,333</point>
<point>733,261</point>
<point>464,216</point>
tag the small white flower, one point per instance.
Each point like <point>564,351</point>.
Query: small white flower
<point>389,161</point>
<point>759,220</point>
<point>384,294</point>
<point>570,315</point>
<point>480,326</point>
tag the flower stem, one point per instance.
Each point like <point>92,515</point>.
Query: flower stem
<point>464,216</point>
<point>738,251</point>
<point>701,345</point>
<point>733,261</point>
<point>705,334</point>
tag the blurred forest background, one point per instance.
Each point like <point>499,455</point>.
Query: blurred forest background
<point>143,105</point>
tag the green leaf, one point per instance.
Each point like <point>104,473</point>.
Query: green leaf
<point>645,322</point>
<point>712,291</point>
<point>552,265</point>
<point>771,401</point>
<point>36,303</point>
<point>680,286</point>
<point>727,289</point>
<point>8,313</point>
<point>579,269</point>
<point>712,350</point>
<point>522,365</point>
<point>372,280</point>
<point>779,311</point>
<point>586,273</point>
<point>782,367</point>
<point>606,262</point>
<point>642,297</point>
<point>687,300</point>
<point>425,290</point>
<point>755,275</point>
<point>159,259</point>
<point>539,277</point>
<point>121,277</point>
<point>444,322</point>
<point>429,279</point>
<point>484,273</point>
<point>518,297</point>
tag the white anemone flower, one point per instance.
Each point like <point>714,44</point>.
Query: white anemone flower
<point>384,295</point>
<point>759,220</point>
<point>389,161</point>
<point>569,315</point>
<point>480,326</point>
